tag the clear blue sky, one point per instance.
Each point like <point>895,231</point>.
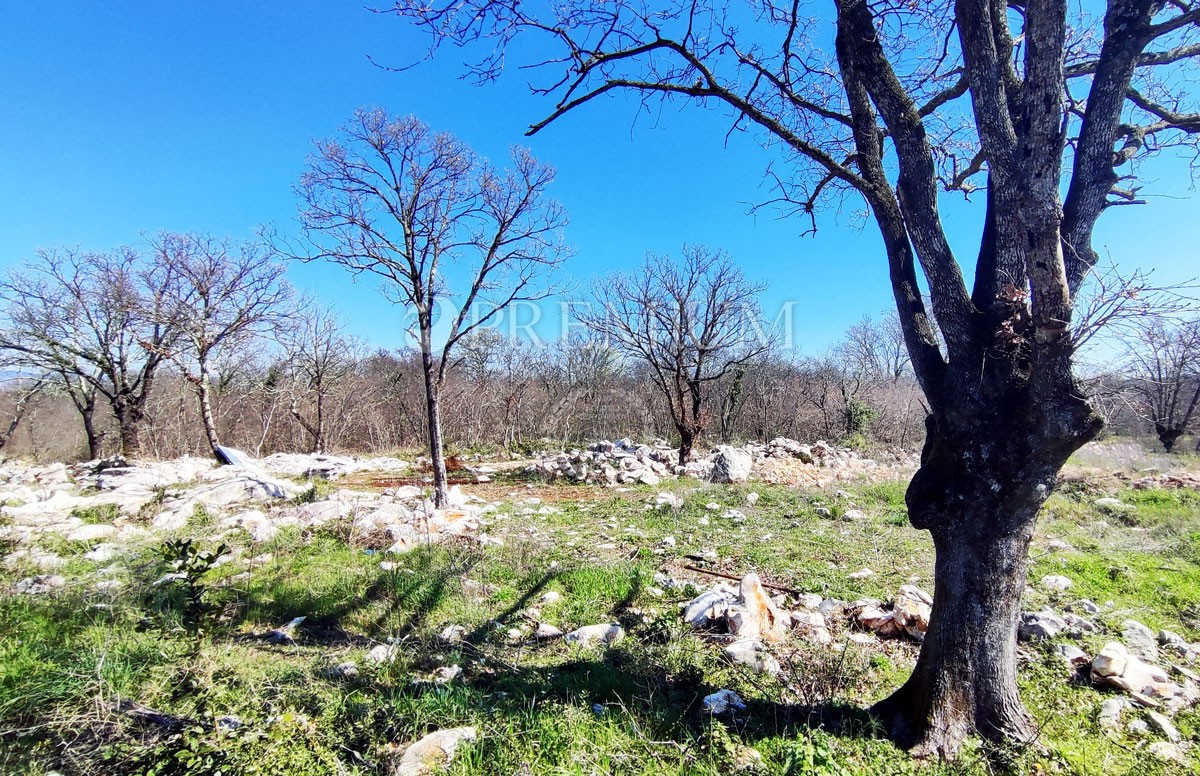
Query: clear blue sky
<point>121,119</point>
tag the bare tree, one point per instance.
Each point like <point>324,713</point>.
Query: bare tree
<point>1049,116</point>
<point>321,356</point>
<point>95,321</point>
<point>226,294</point>
<point>394,199</point>
<point>1164,362</point>
<point>23,391</point>
<point>691,321</point>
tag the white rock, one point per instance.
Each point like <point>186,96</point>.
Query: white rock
<point>433,752</point>
<point>862,574</point>
<point>384,653</point>
<point>750,653</point>
<point>731,464</point>
<point>546,632</point>
<point>589,635</point>
<point>1163,725</point>
<point>1054,582</point>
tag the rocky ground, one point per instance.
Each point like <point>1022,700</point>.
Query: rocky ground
<point>317,614</point>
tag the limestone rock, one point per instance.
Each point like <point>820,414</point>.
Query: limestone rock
<point>433,752</point>
<point>731,464</point>
<point>757,615</point>
<point>752,654</point>
<point>1139,640</point>
<point>589,635</point>
<point>1055,583</point>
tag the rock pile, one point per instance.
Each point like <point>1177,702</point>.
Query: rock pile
<point>615,463</point>
<point>1145,683</point>
<point>909,614</point>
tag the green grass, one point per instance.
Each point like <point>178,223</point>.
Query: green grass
<point>551,708</point>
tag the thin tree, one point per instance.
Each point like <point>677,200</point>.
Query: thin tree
<point>320,356</point>
<point>417,208</point>
<point>95,321</point>
<point>692,321</point>
<point>1164,362</point>
<point>226,294</point>
<point>888,102</point>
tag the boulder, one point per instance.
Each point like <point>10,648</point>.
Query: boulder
<point>756,615</point>
<point>731,464</point>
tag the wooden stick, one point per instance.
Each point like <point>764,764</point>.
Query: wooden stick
<point>723,575</point>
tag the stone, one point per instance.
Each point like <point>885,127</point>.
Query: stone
<point>1168,638</point>
<point>1109,715</point>
<point>452,634</point>
<point>751,498</point>
<point>347,670</point>
<point>1112,505</point>
<point>708,607</point>
<point>752,654</point>
<point>90,532</point>
<point>731,464</point>
<point>384,653</point>
<point>447,674</point>
<point>1139,640</point>
<point>722,701</point>
<point>551,596</point>
<point>1165,750</point>
<point>862,574</point>
<point>433,752</point>
<point>1071,654</point>
<point>1039,626</point>
<point>1055,583</point>
<point>1163,725</point>
<point>39,584</point>
<point>607,634</point>
<point>762,619</point>
<point>1085,606</point>
<point>854,515</point>
<point>103,553</point>
<point>1111,661</point>
<point>546,632</point>
<point>1077,626</point>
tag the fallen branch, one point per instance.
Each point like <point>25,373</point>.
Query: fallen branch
<point>723,575</point>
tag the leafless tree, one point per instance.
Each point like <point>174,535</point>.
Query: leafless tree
<point>691,321</point>
<point>321,356</point>
<point>95,321</point>
<point>1164,362</point>
<point>887,103</point>
<point>875,350</point>
<point>226,294</point>
<point>22,391</point>
<point>392,198</point>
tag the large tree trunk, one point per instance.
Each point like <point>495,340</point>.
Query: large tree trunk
<point>687,440</point>
<point>978,493</point>
<point>130,416</point>
<point>1167,436</point>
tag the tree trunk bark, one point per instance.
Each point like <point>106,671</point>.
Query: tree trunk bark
<point>687,440</point>
<point>208,419</point>
<point>433,417</point>
<point>965,680</point>
<point>978,493</point>
<point>95,438</point>
<point>1167,436</point>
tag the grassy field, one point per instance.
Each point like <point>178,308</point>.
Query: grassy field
<point>238,702</point>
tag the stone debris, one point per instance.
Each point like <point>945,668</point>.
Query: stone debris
<point>745,613</point>
<point>433,752</point>
<point>40,584</point>
<point>752,654</point>
<point>1039,626</point>
<point>1113,505</point>
<point>1147,684</point>
<point>1139,640</point>
<point>1163,725</point>
<point>1055,583</point>
<point>722,701</point>
<point>620,462</point>
<point>1109,715</point>
<point>384,653</point>
<point>908,615</point>
<point>1165,750</point>
<point>608,634</point>
<point>546,632</point>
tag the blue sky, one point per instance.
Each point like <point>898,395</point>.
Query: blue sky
<point>121,119</point>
